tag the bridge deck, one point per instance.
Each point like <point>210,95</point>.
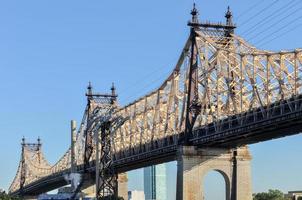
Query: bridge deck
<point>280,119</point>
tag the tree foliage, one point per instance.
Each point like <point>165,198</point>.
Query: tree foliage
<point>4,196</point>
<point>270,195</point>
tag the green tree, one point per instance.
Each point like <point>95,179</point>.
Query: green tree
<point>4,196</point>
<point>299,198</point>
<point>270,195</point>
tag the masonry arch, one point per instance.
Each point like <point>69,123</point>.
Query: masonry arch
<point>216,184</point>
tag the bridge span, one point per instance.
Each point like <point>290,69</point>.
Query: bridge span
<point>222,95</point>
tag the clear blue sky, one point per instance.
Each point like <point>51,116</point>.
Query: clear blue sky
<point>49,50</point>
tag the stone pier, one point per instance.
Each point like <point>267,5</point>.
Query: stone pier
<point>27,197</point>
<point>122,184</point>
<point>194,163</point>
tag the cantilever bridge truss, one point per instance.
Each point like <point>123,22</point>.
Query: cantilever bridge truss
<point>230,82</point>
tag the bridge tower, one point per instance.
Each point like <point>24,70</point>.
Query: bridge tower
<point>100,122</point>
<point>193,162</point>
<point>35,150</point>
<point>193,106</point>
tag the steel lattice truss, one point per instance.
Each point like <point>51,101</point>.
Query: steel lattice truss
<point>32,166</point>
<point>233,78</point>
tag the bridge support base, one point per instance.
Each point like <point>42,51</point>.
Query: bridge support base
<point>29,197</point>
<point>122,181</point>
<point>89,191</point>
<point>194,163</point>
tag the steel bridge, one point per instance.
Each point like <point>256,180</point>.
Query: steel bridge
<point>223,92</point>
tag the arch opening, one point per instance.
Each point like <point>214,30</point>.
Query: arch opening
<point>216,186</point>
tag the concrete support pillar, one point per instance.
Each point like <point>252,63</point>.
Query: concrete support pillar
<point>194,163</point>
<point>122,185</point>
<point>244,176</point>
<point>73,135</point>
<point>73,128</point>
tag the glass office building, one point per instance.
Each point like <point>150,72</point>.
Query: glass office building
<point>155,182</point>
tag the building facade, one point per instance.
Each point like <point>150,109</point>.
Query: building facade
<point>136,195</point>
<point>294,195</point>
<point>155,182</point>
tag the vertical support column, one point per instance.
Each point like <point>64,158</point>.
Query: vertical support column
<point>193,164</point>
<point>106,178</point>
<point>193,106</point>
<point>73,127</point>
<point>97,164</point>
<point>192,109</point>
<point>122,182</point>
<point>243,177</point>
<point>188,186</point>
<point>23,167</point>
